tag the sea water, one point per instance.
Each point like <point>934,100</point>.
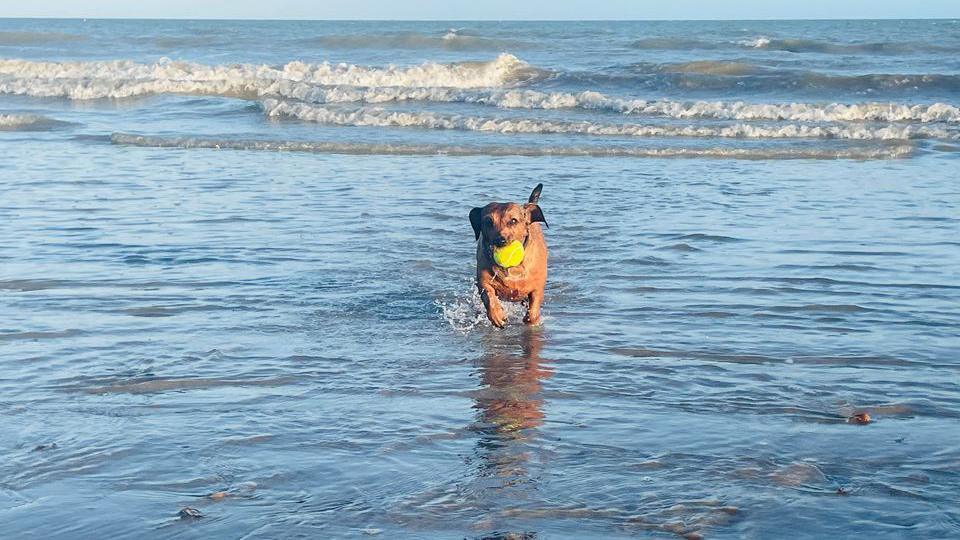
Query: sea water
<point>236,275</point>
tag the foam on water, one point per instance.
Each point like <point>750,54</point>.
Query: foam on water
<point>464,312</point>
<point>171,76</point>
<point>757,43</point>
<point>468,82</point>
<point>378,117</point>
<point>457,83</point>
<point>505,98</point>
<point>726,110</point>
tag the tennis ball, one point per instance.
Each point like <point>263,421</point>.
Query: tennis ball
<point>509,255</point>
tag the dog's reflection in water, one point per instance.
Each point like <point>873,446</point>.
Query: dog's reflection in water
<point>510,409</point>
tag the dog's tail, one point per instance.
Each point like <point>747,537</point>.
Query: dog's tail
<point>535,194</point>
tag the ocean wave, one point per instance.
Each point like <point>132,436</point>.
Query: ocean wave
<point>677,44</point>
<point>795,112</point>
<point>452,40</point>
<point>91,80</point>
<point>183,41</point>
<point>28,122</point>
<point>793,45</point>
<point>519,98</point>
<point>712,67</point>
<point>493,83</point>
<point>378,117</point>
<point>506,98</point>
<point>14,38</point>
<point>799,45</point>
<point>324,147</point>
<point>878,81</point>
<point>324,82</point>
<point>743,76</point>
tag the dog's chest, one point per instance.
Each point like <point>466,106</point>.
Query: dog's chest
<point>512,284</point>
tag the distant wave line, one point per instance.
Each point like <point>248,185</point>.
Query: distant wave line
<point>378,117</point>
<point>325,147</point>
<point>452,40</point>
<point>793,45</point>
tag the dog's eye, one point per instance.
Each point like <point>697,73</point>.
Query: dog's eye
<point>514,221</point>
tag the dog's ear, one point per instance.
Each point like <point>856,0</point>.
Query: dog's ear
<point>475,221</point>
<point>535,194</point>
<point>536,214</point>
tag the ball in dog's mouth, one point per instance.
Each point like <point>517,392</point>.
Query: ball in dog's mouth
<point>509,255</point>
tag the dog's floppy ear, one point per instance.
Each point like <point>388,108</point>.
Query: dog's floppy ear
<point>535,194</point>
<point>536,214</point>
<point>475,221</point>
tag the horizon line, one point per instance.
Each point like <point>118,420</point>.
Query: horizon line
<point>51,17</point>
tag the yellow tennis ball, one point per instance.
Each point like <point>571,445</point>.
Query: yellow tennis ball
<point>509,255</point>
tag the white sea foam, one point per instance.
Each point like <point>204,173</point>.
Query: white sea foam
<point>723,110</point>
<point>757,43</point>
<point>88,80</point>
<point>377,117</point>
<point>800,112</point>
<point>480,83</point>
<point>465,312</point>
<point>878,151</point>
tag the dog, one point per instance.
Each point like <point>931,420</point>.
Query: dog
<point>498,224</point>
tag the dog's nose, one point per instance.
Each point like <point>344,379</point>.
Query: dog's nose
<point>500,241</point>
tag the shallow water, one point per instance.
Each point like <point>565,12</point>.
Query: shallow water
<point>283,333</point>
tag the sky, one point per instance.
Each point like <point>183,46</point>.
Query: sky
<point>485,9</point>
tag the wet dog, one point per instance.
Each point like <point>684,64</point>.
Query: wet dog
<point>499,224</point>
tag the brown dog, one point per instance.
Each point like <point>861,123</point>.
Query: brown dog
<point>498,224</point>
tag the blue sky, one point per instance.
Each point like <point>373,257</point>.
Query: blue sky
<point>485,9</point>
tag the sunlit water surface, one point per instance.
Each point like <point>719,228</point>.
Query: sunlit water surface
<point>289,341</point>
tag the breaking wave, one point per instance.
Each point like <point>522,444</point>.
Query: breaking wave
<point>348,95</point>
<point>90,80</point>
<point>518,98</point>
<point>491,83</point>
<point>324,147</point>
<point>378,117</point>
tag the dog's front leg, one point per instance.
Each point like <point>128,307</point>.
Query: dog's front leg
<point>533,311</point>
<point>495,311</point>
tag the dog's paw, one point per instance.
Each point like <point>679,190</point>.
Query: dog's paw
<point>497,316</point>
<point>533,319</point>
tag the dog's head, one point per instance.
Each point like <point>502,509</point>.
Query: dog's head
<point>502,223</point>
